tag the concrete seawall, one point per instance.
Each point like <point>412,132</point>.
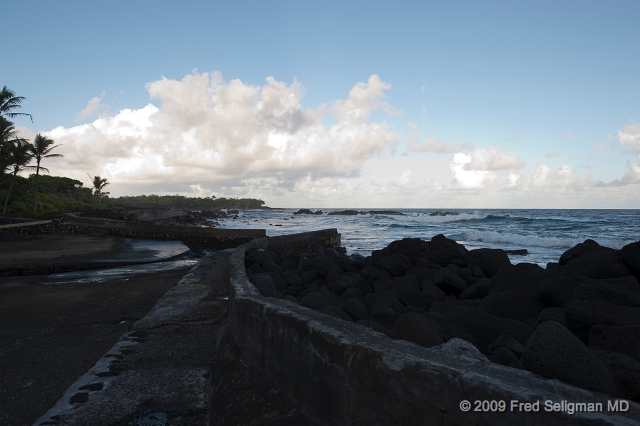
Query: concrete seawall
<point>194,237</point>
<point>342,373</point>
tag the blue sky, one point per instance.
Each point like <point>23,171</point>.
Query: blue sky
<point>553,87</point>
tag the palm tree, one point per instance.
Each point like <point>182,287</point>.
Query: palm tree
<point>98,185</point>
<point>20,155</point>
<point>8,138</point>
<point>9,101</point>
<point>40,149</point>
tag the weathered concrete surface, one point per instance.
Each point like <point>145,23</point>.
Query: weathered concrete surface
<point>160,371</point>
<point>244,395</point>
<point>344,374</point>
<point>44,254</point>
<point>160,367</point>
<point>50,335</point>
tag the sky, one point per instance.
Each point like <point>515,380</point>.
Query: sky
<point>457,104</point>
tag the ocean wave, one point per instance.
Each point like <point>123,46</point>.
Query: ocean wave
<point>445,219</point>
<point>525,241</point>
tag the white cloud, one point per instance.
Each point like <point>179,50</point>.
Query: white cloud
<point>25,133</point>
<point>363,99</point>
<point>92,107</point>
<point>490,159</point>
<point>632,176</point>
<point>219,134</point>
<point>468,178</point>
<point>553,154</point>
<point>563,176</point>
<point>630,136</point>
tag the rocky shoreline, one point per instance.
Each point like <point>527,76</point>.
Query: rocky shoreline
<point>577,321</point>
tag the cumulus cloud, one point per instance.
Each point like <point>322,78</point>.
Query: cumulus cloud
<point>632,176</point>
<point>92,107</point>
<point>363,99</point>
<point>468,178</point>
<point>485,166</point>
<point>630,136</point>
<point>563,176</point>
<point>215,134</point>
<point>490,159</point>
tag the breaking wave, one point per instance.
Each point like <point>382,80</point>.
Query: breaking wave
<point>536,240</point>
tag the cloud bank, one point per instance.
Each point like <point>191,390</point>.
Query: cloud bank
<point>209,136</point>
<point>213,134</point>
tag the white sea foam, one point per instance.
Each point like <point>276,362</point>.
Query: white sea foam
<point>525,241</point>
<point>441,219</point>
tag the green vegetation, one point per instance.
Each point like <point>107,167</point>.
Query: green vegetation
<point>178,201</point>
<point>55,194</point>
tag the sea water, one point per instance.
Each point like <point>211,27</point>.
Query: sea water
<point>545,234</point>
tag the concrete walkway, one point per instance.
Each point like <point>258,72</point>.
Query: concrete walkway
<point>177,366</point>
<point>52,334</point>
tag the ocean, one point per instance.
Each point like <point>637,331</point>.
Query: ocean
<point>545,234</point>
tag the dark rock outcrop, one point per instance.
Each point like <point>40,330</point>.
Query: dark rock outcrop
<point>553,314</point>
<point>417,328</point>
<point>517,305</point>
<point>598,264</point>
<point>520,277</point>
<point>396,264</point>
<point>555,353</point>
<point>477,291</point>
<point>345,213</point>
<point>630,256</point>
<point>581,315</point>
<point>314,300</point>
<point>264,284</point>
<point>307,211</point>
<point>439,213</point>
<point>508,342</point>
<point>560,290</point>
<point>504,356</point>
<point>292,278</point>
<point>356,309</point>
<point>587,247</point>
<point>623,339</point>
<point>485,328</point>
<point>449,282</point>
<point>625,372</point>
<point>490,261</point>
<point>440,250</point>
<point>387,212</point>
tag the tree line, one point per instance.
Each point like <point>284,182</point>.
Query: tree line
<point>179,201</point>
